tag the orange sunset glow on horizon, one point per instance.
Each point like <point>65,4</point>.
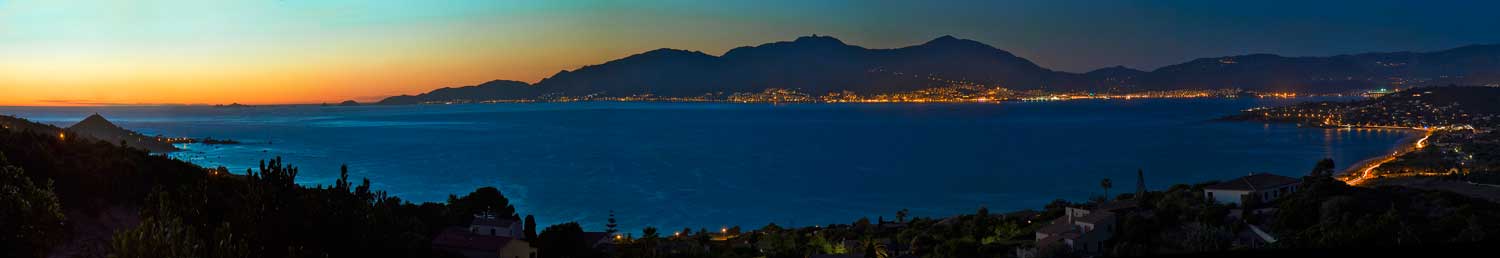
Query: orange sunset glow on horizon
<point>112,52</point>
<point>279,52</point>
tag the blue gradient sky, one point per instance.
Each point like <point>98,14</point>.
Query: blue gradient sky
<point>297,51</point>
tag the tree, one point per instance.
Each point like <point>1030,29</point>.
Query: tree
<point>649,233</point>
<point>772,227</point>
<point>1106,183</point>
<point>271,215</point>
<point>162,236</point>
<point>1323,168</point>
<point>530,227</point>
<point>649,239</point>
<point>901,215</point>
<point>1004,233</point>
<point>961,247</point>
<point>703,237</point>
<point>563,241</point>
<point>343,182</point>
<point>862,224</point>
<point>1140,183</point>
<point>31,221</point>
<point>821,245</point>
<point>482,200</point>
<point>611,227</point>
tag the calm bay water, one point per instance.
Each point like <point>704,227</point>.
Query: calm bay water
<point>675,165</point>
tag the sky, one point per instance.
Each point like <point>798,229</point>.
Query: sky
<point>103,52</point>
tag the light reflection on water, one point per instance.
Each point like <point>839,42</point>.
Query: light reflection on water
<point>707,165</point>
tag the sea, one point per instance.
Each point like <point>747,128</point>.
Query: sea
<point>715,165</point>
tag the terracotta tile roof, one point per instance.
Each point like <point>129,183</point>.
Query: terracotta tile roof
<point>1096,217</point>
<point>1054,229</point>
<point>1255,182</point>
<point>1049,241</point>
<point>459,238</point>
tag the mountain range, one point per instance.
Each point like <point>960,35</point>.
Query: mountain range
<point>822,64</point>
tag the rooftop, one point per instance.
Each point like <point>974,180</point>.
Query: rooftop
<point>1056,228</point>
<point>1254,182</point>
<point>596,237</point>
<point>1096,217</point>
<point>459,238</point>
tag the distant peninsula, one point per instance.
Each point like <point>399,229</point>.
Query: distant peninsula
<point>812,67</point>
<point>96,127</point>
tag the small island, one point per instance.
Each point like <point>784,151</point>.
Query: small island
<point>232,105</point>
<point>346,103</point>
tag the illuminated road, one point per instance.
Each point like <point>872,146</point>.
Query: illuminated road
<point>1363,173</point>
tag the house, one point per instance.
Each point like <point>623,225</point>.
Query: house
<point>469,244</point>
<point>1256,187</point>
<point>600,240</point>
<point>491,225</point>
<point>1077,231</point>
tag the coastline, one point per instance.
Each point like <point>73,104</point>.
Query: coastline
<point>1361,172</point>
<point>381,167</point>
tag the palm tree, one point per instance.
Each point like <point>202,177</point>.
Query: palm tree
<point>1106,184</point>
<point>901,216</point>
<point>649,239</point>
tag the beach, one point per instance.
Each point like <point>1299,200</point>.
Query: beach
<point>1361,172</point>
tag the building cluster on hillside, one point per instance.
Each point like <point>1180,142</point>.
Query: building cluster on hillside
<point>1448,152</point>
<point>1084,231</point>
<point>1080,231</point>
<point>1092,230</point>
<point>1405,109</point>
<point>771,95</point>
<point>955,93</point>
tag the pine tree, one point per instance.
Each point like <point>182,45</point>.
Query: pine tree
<point>612,227</point>
<point>1140,183</point>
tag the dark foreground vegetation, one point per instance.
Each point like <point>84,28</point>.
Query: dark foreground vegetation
<point>59,191</point>
<point>188,211</point>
